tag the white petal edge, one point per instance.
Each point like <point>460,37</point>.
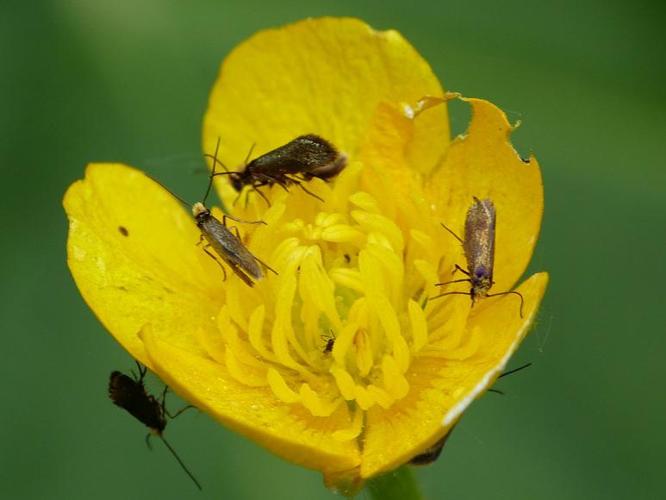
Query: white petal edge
<point>454,413</point>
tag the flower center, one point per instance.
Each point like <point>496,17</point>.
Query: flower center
<point>348,311</point>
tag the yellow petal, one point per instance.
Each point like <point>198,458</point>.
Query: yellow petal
<point>393,173</point>
<point>323,76</point>
<point>484,164</point>
<point>441,389</point>
<point>289,431</point>
<point>132,252</point>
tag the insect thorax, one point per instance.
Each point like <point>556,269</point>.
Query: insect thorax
<point>200,213</point>
<point>482,280</point>
<point>238,180</point>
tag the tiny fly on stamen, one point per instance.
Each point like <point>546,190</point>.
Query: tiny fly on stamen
<point>298,161</point>
<point>329,340</point>
<point>218,237</point>
<point>130,394</point>
<point>479,246</point>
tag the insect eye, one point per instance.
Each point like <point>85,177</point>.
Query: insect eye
<point>480,272</point>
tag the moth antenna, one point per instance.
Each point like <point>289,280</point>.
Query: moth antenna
<point>222,173</point>
<point>184,467</point>
<point>249,153</point>
<point>206,155</point>
<point>168,190</point>
<point>522,300</point>
<point>210,181</point>
<point>454,234</point>
<point>511,372</point>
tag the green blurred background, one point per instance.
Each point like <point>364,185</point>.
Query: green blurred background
<point>128,81</point>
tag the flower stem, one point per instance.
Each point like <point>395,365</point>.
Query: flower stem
<point>398,484</point>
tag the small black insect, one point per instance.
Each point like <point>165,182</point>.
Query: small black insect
<point>123,230</point>
<point>130,394</point>
<point>226,245</point>
<point>431,454</point>
<point>300,160</point>
<point>479,246</point>
<point>329,342</point>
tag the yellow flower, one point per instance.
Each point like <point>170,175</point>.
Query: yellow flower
<point>359,266</point>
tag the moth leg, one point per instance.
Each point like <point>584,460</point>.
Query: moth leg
<point>449,293</point>
<point>142,372</point>
<point>300,185</point>
<point>247,197</point>
<point>255,188</point>
<point>163,402</point>
<point>520,295</point>
<point>164,408</point>
<point>238,198</point>
<point>270,180</point>
<point>453,281</point>
<point>212,256</point>
<point>246,279</point>
<point>458,268</point>
<point>148,436</point>
<point>227,216</point>
<point>185,408</point>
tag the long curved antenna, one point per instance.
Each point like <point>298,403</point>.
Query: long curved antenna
<point>167,190</point>
<point>522,300</point>
<point>206,155</point>
<point>210,181</point>
<point>173,452</point>
<point>249,153</point>
<point>511,372</point>
<point>454,234</point>
<point>222,173</point>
